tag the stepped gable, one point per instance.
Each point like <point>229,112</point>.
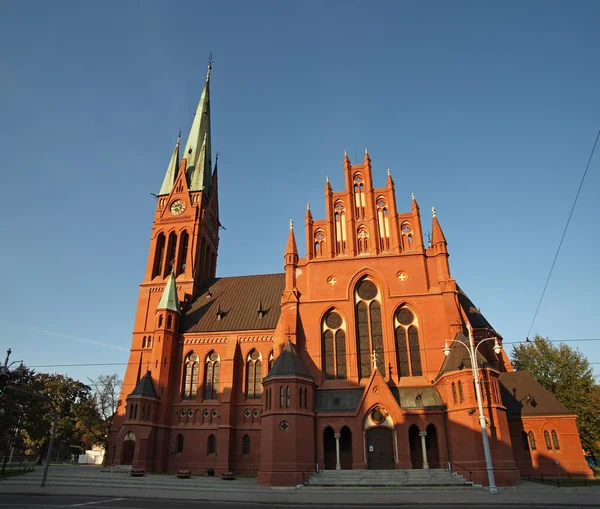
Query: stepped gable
<point>523,395</point>
<point>233,303</point>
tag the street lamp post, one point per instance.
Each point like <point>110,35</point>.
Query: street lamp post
<point>472,349</point>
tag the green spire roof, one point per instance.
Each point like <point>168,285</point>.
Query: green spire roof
<point>197,147</point>
<point>169,298</point>
<point>172,170</point>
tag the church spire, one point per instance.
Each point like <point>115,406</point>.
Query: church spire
<point>168,299</point>
<point>172,170</point>
<point>197,147</point>
<point>437,236</point>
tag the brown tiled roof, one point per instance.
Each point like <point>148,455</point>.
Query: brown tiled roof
<point>236,301</point>
<point>477,320</point>
<point>522,395</point>
<point>417,397</point>
<point>331,400</point>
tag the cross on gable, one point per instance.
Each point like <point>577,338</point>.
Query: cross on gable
<point>289,333</point>
<point>374,355</point>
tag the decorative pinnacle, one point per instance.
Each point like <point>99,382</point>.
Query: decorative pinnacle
<point>433,212</point>
<point>345,153</point>
<point>291,224</point>
<point>327,179</point>
<point>210,61</point>
<point>308,207</point>
<point>413,196</point>
<point>389,172</point>
<point>366,151</point>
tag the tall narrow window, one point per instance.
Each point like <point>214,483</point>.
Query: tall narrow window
<point>253,375</point>
<point>359,196</point>
<point>406,231</point>
<point>369,334</point>
<point>190,377</point>
<point>406,325</point>
<point>211,445</point>
<point>524,441</point>
<point>384,225</point>
<point>281,397</point>
<point>532,441</point>
<point>179,444</point>
<point>211,376</point>
<point>333,346</point>
<point>460,392</point>
<point>547,439</point>
<point>159,255</point>
<point>555,440</point>
<point>454,392</point>
<point>319,244</point>
<point>288,396</point>
<point>183,251</point>
<point>246,445</point>
<point>363,240</point>
<point>171,250</point>
<point>271,360</point>
<point>340,228</point>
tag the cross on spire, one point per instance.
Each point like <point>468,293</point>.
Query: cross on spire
<point>374,356</point>
<point>289,333</point>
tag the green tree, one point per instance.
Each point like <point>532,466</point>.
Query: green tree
<point>567,374</point>
<point>106,390</point>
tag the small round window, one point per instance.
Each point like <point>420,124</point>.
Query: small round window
<point>377,416</point>
<point>284,426</point>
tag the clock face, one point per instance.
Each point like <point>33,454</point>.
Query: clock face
<point>177,207</point>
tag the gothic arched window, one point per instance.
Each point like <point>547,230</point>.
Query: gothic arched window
<point>288,396</point>
<point>407,236</point>
<point>532,441</point>
<point>363,240</point>
<point>253,375</point>
<point>408,353</point>
<point>369,334</point>
<point>211,445</point>
<point>271,360</point>
<point>179,444</point>
<point>454,392</point>
<point>384,225</point>
<point>460,392</point>
<point>547,440</point>
<point>183,250</point>
<point>159,255</point>
<point>555,440</point>
<point>211,376</point>
<point>171,251</point>
<point>319,244</point>
<point>359,195</point>
<point>333,346</point>
<point>246,445</point>
<point>340,228</point>
<point>281,397</point>
<point>190,376</point>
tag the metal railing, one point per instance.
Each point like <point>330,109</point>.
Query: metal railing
<point>452,467</point>
<point>564,480</point>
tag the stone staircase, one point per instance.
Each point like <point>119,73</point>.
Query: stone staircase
<point>388,478</point>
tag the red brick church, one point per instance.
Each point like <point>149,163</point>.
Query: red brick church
<point>337,362</point>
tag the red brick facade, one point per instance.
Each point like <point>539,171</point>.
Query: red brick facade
<point>196,392</point>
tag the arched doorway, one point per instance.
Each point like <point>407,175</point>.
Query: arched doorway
<point>416,453</point>
<point>380,448</point>
<point>329,455</point>
<point>433,449</point>
<point>346,448</point>
<point>128,451</point>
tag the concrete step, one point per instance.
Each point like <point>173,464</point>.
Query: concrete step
<point>388,478</point>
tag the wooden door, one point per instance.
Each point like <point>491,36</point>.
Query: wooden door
<point>380,449</point>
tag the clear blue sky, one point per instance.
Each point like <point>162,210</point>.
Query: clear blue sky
<point>486,110</point>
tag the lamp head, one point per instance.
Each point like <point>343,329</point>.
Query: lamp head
<point>497,347</point>
<point>446,349</point>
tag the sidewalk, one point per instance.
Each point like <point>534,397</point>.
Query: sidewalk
<point>94,481</point>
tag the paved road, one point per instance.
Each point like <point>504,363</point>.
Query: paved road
<point>87,502</point>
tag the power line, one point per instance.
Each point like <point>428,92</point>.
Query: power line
<point>564,233</point>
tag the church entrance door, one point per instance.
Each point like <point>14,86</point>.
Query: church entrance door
<point>329,453</point>
<point>380,449</point>
<point>128,450</point>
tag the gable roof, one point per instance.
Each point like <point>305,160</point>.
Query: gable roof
<point>145,387</point>
<point>522,395</point>
<point>288,364</point>
<point>236,300</point>
<point>478,321</point>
